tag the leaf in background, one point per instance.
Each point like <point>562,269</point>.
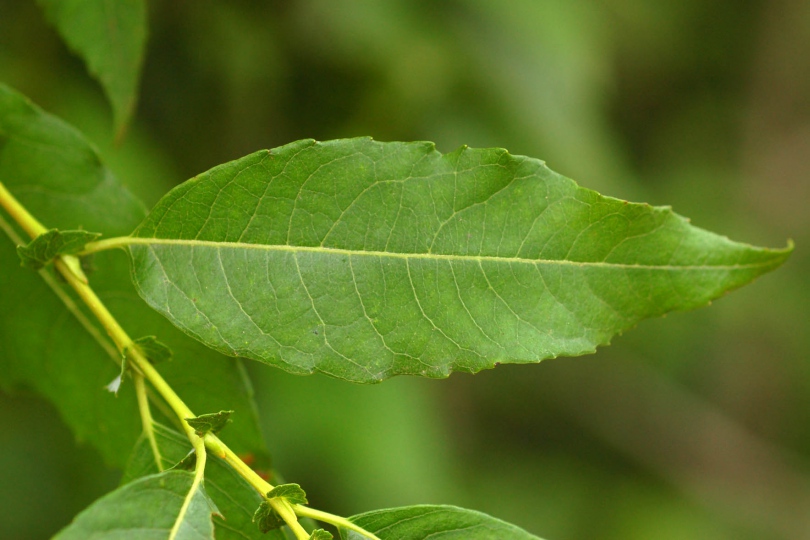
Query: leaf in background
<point>47,246</point>
<point>110,36</point>
<point>148,508</point>
<point>364,260</point>
<point>436,523</point>
<point>57,175</point>
<point>234,497</point>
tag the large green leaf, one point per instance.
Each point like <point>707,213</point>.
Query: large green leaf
<point>234,497</point>
<point>151,508</point>
<point>435,523</point>
<point>57,175</point>
<point>365,260</point>
<point>110,36</point>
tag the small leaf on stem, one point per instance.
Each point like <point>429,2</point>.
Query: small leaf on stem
<point>154,350</point>
<point>46,247</point>
<point>292,492</point>
<point>266,518</point>
<point>210,423</point>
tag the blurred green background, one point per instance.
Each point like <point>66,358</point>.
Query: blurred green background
<point>695,426</point>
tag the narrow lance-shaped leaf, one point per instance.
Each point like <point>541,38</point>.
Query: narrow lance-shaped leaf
<point>110,36</point>
<point>365,260</point>
<point>435,523</point>
<point>153,507</point>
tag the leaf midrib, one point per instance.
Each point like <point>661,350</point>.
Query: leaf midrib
<point>128,241</point>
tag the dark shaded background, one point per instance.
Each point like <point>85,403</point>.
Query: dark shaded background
<point>695,426</point>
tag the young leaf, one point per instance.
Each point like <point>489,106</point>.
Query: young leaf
<point>163,505</point>
<point>110,38</point>
<point>267,519</point>
<point>46,247</point>
<point>364,260</point>
<point>151,348</point>
<point>210,423</point>
<point>47,343</point>
<point>292,492</point>
<point>234,497</point>
<point>154,351</point>
<point>434,522</point>
<point>320,534</point>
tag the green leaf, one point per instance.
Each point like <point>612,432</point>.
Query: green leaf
<point>45,336</point>
<point>47,246</point>
<point>267,519</point>
<point>320,534</point>
<point>434,522</point>
<point>234,497</point>
<point>152,507</point>
<point>210,423</point>
<point>154,351</point>
<point>151,348</point>
<point>110,36</point>
<point>187,463</point>
<point>292,492</point>
<point>364,260</point>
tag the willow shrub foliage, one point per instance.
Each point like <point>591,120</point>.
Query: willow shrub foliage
<point>354,258</point>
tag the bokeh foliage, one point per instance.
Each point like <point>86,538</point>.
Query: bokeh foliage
<point>690,427</point>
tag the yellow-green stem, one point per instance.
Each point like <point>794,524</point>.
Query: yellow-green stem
<point>285,510</point>
<point>29,223</point>
<point>325,517</point>
<point>199,472</point>
<point>142,368</point>
<point>146,417</point>
<point>107,243</point>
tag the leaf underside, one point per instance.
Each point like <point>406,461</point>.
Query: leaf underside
<point>147,509</point>
<point>364,260</point>
<point>424,522</point>
<point>233,496</point>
